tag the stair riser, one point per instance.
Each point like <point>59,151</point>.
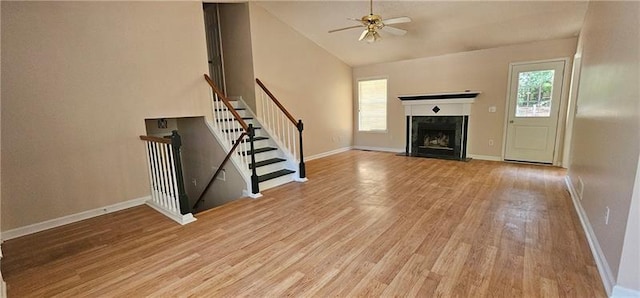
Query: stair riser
<point>248,121</point>
<point>236,134</point>
<point>242,113</point>
<point>234,104</point>
<point>267,155</point>
<point>270,168</point>
<point>276,181</point>
<point>256,144</point>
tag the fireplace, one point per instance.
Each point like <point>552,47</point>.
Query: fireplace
<point>437,124</point>
<point>439,137</point>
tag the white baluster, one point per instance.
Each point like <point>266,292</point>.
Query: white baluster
<point>294,151</point>
<point>289,126</point>
<point>175,206</point>
<point>156,172</point>
<point>159,187</point>
<point>150,164</point>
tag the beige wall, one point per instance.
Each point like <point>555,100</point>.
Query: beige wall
<point>483,70</point>
<point>236,50</point>
<point>606,138</point>
<point>152,128</point>
<point>201,156</point>
<point>78,79</point>
<point>312,84</point>
<point>629,273</point>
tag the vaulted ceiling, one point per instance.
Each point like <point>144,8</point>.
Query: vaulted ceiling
<point>438,27</point>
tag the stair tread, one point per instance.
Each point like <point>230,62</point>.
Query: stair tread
<point>230,119</point>
<point>268,162</point>
<point>274,175</point>
<point>239,129</point>
<point>260,150</point>
<point>237,109</point>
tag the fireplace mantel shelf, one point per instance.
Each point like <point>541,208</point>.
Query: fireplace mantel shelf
<point>444,97</point>
<point>439,104</point>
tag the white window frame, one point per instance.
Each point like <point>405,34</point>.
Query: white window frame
<point>386,107</point>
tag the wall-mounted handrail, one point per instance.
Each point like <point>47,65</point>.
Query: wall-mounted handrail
<point>277,102</point>
<point>228,127</point>
<point>219,170</point>
<point>280,129</point>
<point>226,102</point>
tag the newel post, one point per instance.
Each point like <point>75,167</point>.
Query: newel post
<point>255,188</point>
<point>176,143</point>
<point>302,170</point>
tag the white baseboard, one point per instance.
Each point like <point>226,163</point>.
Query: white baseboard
<point>60,221</point>
<point>328,153</point>
<point>620,292</point>
<point>182,219</point>
<point>601,262</point>
<point>247,193</point>
<point>485,157</point>
<point>383,149</point>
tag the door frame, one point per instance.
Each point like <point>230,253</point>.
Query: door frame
<point>562,110</point>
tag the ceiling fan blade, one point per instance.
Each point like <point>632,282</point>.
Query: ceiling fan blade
<point>363,35</point>
<point>345,28</point>
<point>394,31</point>
<point>398,20</point>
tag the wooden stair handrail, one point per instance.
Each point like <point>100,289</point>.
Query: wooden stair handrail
<point>219,170</point>
<point>275,100</point>
<point>226,102</point>
<point>155,139</point>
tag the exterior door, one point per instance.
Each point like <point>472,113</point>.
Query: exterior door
<point>534,101</point>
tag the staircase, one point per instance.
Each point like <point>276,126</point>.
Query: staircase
<point>266,155</point>
<point>272,166</point>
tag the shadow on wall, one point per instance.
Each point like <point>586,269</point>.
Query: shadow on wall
<point>201,156</point>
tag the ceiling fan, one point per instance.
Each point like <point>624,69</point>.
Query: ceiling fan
<point>373,22</point>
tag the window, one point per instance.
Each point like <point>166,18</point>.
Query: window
<point>534,93</point>
<point>372,105</point>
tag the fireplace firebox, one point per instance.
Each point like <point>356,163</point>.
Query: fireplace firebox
<point>439,136</point>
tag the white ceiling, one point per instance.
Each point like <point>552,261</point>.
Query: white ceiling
<point>438,27</point>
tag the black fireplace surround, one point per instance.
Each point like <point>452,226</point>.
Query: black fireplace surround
<point>438,136</point>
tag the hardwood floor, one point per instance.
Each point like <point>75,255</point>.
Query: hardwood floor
<point>365,224</point>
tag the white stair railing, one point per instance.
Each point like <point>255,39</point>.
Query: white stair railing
<point>224,121</point>
<point>230,127</point>
<point>282,126</point>
<point>168,195</point>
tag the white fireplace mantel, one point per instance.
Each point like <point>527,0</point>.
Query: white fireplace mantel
<point>439,104</point>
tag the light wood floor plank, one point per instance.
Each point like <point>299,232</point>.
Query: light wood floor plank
<point>365,224</point>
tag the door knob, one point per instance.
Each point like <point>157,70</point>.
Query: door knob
<point>511,121</point>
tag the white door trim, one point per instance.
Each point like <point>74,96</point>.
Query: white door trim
<point>561,110</point>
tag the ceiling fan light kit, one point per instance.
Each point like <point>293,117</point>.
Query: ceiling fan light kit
<point>373,23</point>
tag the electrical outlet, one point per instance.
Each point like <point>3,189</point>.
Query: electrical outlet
<point>194,181</point>
<point>606,215</point>
<point>492,109</point>
<point>580,188</point>
<point>490,142</point>
<point>223,175</point>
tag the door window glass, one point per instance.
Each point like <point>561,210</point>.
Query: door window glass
<point>534,93</point>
